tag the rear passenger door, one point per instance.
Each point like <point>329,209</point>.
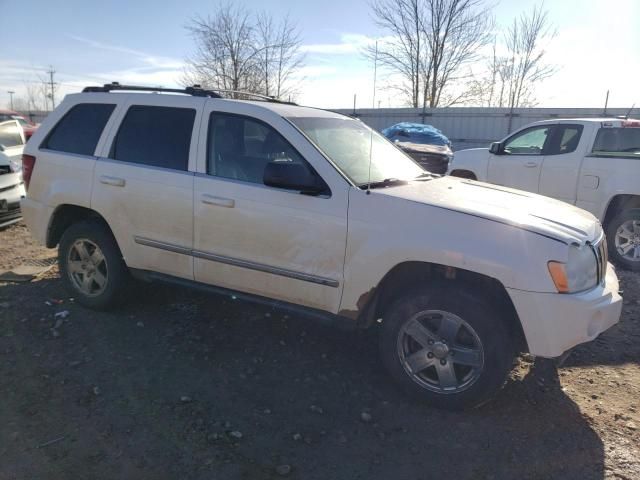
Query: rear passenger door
<point>143,182</point>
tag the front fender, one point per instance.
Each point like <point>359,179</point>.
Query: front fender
<point>385,231</point>
<point>475,160</point>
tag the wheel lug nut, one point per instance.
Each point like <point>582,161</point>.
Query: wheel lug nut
<point>430,342</point>
<point>443,362</point>
<point>430,355</point>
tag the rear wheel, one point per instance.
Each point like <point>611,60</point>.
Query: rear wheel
<point>448,346</point>
<point>623,238</point>
<point>92,266</point>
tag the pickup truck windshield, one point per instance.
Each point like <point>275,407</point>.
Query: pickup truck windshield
<point>350,144</point>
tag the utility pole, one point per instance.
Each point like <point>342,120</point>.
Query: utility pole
<point>52,84</point>
<point>11,92</point>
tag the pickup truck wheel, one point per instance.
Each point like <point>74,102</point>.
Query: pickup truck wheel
<point>448,346</point>
<point>623,238</point>
<point>91,265</point>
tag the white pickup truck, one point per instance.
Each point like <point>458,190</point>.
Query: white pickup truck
<point>591,163</point>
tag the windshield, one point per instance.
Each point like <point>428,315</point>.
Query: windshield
<point>349,144</point>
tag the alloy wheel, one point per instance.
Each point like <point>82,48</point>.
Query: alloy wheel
<point>87,267</point>
<point>440,351</point>
<point>627,240</point>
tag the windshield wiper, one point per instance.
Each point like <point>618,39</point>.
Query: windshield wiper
<point>424,175</point>
<point>383,183</point>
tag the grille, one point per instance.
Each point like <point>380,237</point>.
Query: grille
<point>600,251</point>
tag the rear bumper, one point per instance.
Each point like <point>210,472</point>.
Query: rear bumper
<point>36,216</point>
<point>553,323</point>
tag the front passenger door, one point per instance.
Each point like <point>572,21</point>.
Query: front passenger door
<point>262,240</point>
<point>520,162</point>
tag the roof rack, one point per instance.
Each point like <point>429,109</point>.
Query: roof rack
<point>259,96</point>
<point>195,90</point>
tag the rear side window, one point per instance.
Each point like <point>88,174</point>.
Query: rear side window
<point>565,139</point>
<point>80,129</point>
<point>618,142</point>
<point>156,136</point>
<point>10,134</point>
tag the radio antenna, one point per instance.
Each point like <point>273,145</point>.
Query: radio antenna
<point>375,71</point>
<point>626,117</point>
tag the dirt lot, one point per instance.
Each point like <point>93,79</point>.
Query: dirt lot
<point>182,385</point>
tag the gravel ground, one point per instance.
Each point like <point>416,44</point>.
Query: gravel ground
<point>178,384</point>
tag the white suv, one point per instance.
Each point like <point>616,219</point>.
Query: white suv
<point>271,201</point>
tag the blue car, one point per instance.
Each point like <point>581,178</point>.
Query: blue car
<point>424,143</point>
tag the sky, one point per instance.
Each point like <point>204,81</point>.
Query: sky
<point>597,47</point>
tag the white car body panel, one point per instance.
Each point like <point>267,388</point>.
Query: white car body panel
<point>11,185</point>
<point>580,178</point>
<point>326,253</point>
<point>270,228</point>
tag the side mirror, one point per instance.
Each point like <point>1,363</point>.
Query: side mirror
<point>496,148</point>
<point>292,176</point>
<point>404,134</point>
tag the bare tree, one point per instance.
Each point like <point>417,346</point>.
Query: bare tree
<point>280,56</point>
<point>511,77</point>
<point>526,66</point>
<point>225,55</point>
<point>236,51</point>
<point>403,52</point>
<point>432,42</point>
<point>456,31</point>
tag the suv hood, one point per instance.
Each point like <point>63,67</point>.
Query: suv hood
<point>535,213</point>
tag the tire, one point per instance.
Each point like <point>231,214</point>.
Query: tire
<point>617,229</point>
<point>109,276</point>
<point>482,339</point>
<point>464,174</point>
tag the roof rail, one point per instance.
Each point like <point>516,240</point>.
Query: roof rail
<point>195,90</point>
<point>259,96</point>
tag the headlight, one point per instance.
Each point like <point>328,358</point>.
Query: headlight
<point>578,274</point>
<point>15,167</point>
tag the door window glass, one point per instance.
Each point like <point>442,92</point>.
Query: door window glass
<point>528,142</point>
<point>566,139</point>
<point>240,148</point>
<point>156,136</point>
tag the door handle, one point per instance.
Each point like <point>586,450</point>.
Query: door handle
<point>113,181</point>
<point>218,201</point>
<point>531,164</point>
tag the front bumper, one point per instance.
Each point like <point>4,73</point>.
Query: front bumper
<point>553,322</point>
<point>10,197</point>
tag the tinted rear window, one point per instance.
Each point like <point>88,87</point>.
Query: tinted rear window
<point>618,141</point>
<point>10,134</point>
<point>157,136</point>
<point>80,129</point>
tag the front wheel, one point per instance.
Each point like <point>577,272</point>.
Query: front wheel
<point>447,345</point>
<point>623,238</point>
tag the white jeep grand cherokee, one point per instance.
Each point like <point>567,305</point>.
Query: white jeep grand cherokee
<point>313,211</point>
